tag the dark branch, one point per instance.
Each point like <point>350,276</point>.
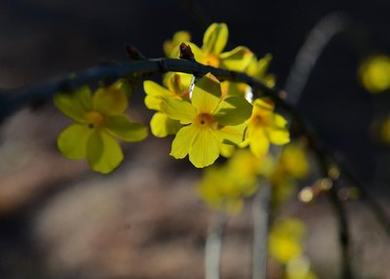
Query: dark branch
<point>13,100</point>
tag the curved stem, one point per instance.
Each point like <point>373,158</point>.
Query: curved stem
<point>318,38</point>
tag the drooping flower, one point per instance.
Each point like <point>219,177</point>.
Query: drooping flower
<point>176,86</point>
<point>100,120</point>
<point>265,127</point>
<point>208,120</point>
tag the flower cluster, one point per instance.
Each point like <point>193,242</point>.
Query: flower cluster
<point>210,117</point>
<point>225,187</point>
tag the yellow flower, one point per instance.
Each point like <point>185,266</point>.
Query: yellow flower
<point>293,161</point>
<point>374,73</point>
<point>219,191</point>
<point>177,86</point>
<point>99,121</point>
<point>170,46</point>
<point>265,127</point>
<point>211,53</point>
<point>209,121</point>
<point>285,239</point>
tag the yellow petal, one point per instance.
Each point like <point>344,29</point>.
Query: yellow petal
<point>178,84</point>
<point>226,150</point>
<point>110,100</point>
<point>278,136</point>
<point>233,111</point>
<point>154,89</point>
<point>183,141</point>
<point>154,94</point>
<point>237,59</point>
<point>74,104</point>
<point>121,127</point>
<point>162,126</point>
<point>72,141</point>
<point>258,69</point>
<point>206,94</point>
<point>104,154</point>
<point>178,110</point>
<point>204,149</point>
<point>215,38</point>
<point>258,142</point>
<point>234,134</point>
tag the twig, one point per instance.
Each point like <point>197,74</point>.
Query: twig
<point>374,206</point>
<point>213,247</point>
<point>327,167</point>
<point>260,213</point>
<point>13,100</point>
<point>318,38</point>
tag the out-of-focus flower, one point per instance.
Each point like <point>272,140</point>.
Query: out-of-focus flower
<point>170,46</point>
<point>374,73</point>
<point>292,165</point>
<point>208,120</point>
<point>299,268</point>
<point>265,127</point>
<point>225,187</point>
<point>285,240</point>
<point>258,69</point>
<point>100,119</point>
<point>212,51</point>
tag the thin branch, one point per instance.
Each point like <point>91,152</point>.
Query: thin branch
<point>260,213</point>
<point>213,247</point>
<point>318,38</point>
<point>375,207</point>
<point>13,100</point>
<point>327,166</point>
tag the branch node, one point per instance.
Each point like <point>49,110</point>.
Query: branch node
<point>186,52</point>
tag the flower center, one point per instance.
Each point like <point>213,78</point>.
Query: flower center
<point>259,120</point>
<point>94,119</point>
<point>206,120</point>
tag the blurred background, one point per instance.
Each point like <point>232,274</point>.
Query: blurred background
<point>60,220</point>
